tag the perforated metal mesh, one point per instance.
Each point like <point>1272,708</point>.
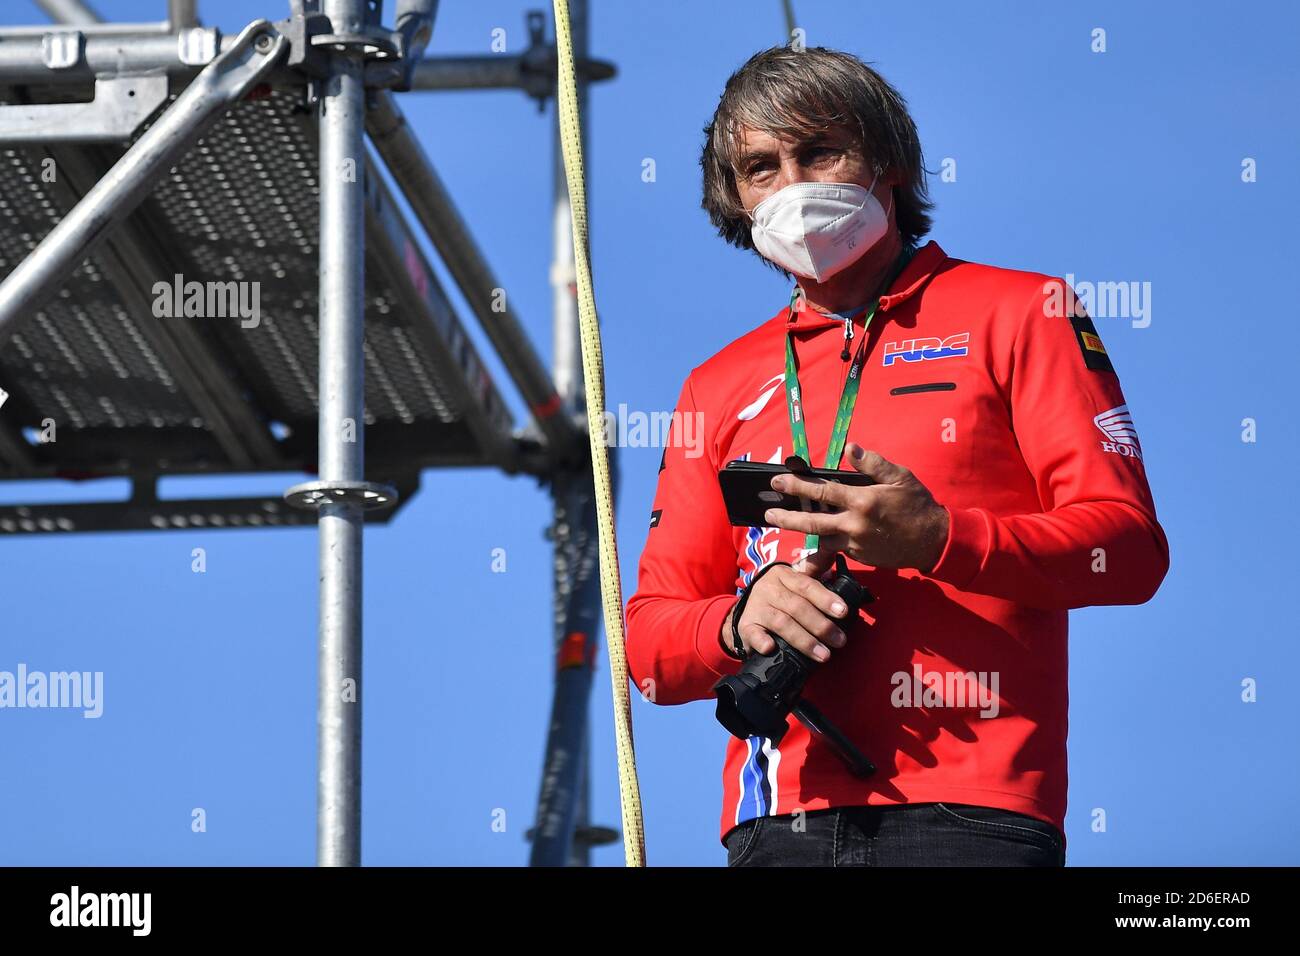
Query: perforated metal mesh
<point>81,360</point>
<point>241,207</point>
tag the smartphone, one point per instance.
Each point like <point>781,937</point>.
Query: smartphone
<point>747,490</point>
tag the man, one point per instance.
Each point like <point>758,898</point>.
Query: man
<point>1009,488</point>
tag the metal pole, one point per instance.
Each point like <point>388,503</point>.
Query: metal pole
<point>580,845</point>
<point>566,341</point>
<point>434,207</point>
<point>561,800</point>
<point>342,314</point>
<point>144,48</point>
<point>71,12</point>
<point>110,50</point>
<point>533,74</point>
<point>182,14</point>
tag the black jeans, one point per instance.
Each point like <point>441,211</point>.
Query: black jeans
<point>914,834</point>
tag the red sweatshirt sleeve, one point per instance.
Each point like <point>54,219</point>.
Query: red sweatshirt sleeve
<point>687,578</point>
<point>1097,540</point>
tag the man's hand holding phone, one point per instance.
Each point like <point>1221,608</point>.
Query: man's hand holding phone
<point>892,523</point>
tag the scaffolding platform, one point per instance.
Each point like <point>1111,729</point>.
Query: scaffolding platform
<point>132,392</point>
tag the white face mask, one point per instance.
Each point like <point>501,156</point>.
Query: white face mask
<point>817,229</point>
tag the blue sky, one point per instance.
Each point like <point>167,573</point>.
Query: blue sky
<point>1117,166</point>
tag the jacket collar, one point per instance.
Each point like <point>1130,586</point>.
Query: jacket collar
<point>924,264</point>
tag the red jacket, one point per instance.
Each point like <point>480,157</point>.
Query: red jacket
<point>953,683</point>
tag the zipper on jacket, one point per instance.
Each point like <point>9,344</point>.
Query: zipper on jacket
<point>924,387</point>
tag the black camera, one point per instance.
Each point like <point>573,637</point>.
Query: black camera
<point>756,701</point>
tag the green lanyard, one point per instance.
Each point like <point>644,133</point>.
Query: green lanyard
<point>849,396</point>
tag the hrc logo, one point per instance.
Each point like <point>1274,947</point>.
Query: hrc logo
<point>920,350</point>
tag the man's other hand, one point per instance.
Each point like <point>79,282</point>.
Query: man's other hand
<point>894,523</point>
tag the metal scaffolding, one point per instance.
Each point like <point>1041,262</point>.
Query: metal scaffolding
<point>182,151</point>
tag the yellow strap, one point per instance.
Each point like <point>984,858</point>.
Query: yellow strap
<point>593,370</point>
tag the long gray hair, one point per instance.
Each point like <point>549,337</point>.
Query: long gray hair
<point>800,93</point>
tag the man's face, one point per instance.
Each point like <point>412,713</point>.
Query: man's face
<point>767,164</point>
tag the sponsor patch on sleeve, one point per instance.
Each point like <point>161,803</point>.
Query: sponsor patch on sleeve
<point>654,517</point>
<point>1094,353</point>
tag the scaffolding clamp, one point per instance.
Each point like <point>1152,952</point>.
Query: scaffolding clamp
<point>120,106</point>
<point>368,495</point>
